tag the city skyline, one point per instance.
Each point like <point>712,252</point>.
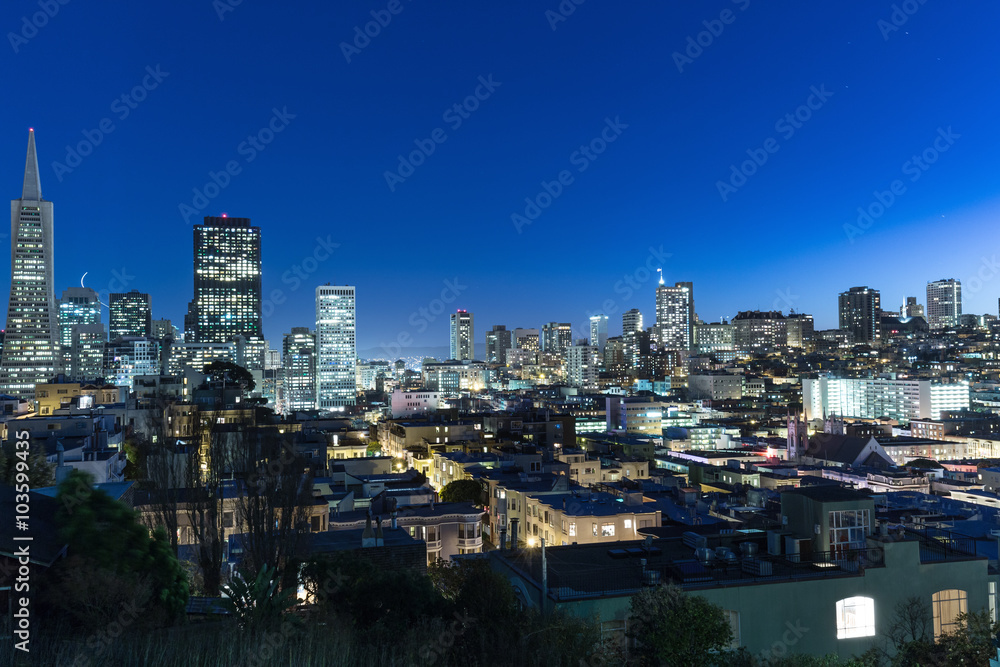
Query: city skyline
<point>859,117</point>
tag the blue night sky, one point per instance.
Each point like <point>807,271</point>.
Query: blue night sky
<point>777,240</point>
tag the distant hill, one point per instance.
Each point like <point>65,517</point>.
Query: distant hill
<point>440,352</point>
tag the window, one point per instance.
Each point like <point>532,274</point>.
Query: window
<point>855,618</point>
<point>734,624</point>
<point>595,529</point>
<point>628,523</point>
<point>848,529</point>
<point>947,606</point>
<point>608,530</point>
<point>572,529</point>
<point>993,601</point>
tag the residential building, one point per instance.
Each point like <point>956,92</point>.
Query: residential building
<point>859,309</point>
<point>526,339</point>
<point>673,313</point>
<point>407,404</point>
<point>582,362</point>
<point>715,386</point>
<point>463,336</point>
<point>498,341</point>
<point>634,414</point>
<point>944,303</point>
<point>870,398</point>
<point>800,329</point>
<point>757,332</point>
<point>556,337</point>
<point>599,332</point>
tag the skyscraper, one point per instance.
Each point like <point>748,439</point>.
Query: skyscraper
<point>498,341</point>
<point>599,331</point>
<point>556,337</point>
<point>336,348</point>
<point>463,343</point>
<point>299,352</point>
<point>859,313</point>
<point>77,305</point>
<point>944,303</point>
<point>912,308</point>
<point>631,326</point>
<point>227,291</point>
<point>673,313</point>
<point>130,314</point>
<point>30,348</point>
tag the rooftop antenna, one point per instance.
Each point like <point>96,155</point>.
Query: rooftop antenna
<point>660,271</point>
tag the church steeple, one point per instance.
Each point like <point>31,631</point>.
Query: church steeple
<point>32,190</point>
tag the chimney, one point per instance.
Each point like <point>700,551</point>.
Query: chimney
<point>513,534</point>
<point>393,515</point>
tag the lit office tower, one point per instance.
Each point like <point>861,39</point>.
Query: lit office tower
<point>498,341</point>
<point>631,326</point>
<point>463,344</point>
<point>859,313</point>
<point>599,332</point>
<point>30,348</point>
<point>336,349</point>
<point>227,292</point>
<point>526,339</point>
<point>556,337</point>
<point>130,314</point>
<point>299,353</point>
<point>944,303</point>
<point>673,313</point>
<point>77,305</point>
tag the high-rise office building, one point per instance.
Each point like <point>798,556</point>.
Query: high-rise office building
<point>227,290</point>
<point>463,343</point>
<point>163,329</point>
<point>673,313</point>
<point>336,347</point>
<point>526,339</point>
<point>130,314</point>
<point>87,343</point>
<point>631,327</point>
<point>599,332</point>
<point>556,337</point>
<point>31,343</point>
<point>859,309</point>
<point>944,303</point>
<point>756,332</point>
<point>77,305</point>
<point>299,382</point>
<point>498,341</point>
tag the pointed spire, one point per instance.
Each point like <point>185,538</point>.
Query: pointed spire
<point>32,190</point>
<point>659,270</point>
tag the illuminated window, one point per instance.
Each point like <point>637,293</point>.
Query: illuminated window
<point>734,624</point>
<point>855,618</point>
<point>608,530</point>
<point>947,606</point>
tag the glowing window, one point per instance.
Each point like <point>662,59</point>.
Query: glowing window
<point>855,618</point>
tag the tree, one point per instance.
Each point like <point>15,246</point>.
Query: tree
<point>109,548</point>
<point>40,472</point>
<point>463,491</point>
<point>227,371</point>
<point>676,629</point>
<point>257,602</point>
